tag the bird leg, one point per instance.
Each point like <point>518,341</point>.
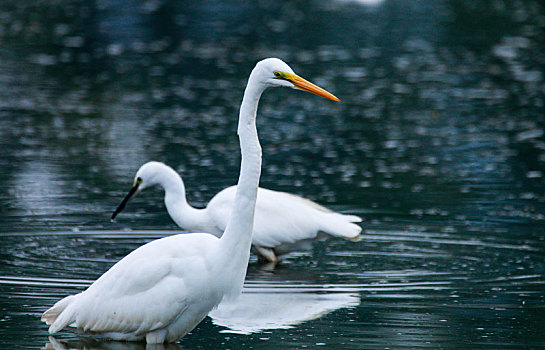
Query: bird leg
<point>267,253</point>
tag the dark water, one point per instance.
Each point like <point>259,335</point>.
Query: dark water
<point>438,144</point>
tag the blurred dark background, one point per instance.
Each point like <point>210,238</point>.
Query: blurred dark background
<point>440,98</point>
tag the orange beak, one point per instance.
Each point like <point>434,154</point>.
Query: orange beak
<point>307,86</point>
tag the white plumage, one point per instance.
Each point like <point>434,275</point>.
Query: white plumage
<point>163,289</point>
<point>151,292</point>
<point>281,219</point>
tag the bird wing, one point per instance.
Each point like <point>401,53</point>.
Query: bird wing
<point>147,290</point>
<point>283,218</point>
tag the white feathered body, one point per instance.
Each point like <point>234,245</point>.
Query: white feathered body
<point>281,219</point>
<point>159,292</point>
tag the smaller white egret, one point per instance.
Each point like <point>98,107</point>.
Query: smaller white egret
<point>281,219</point>
<point>162,290</point>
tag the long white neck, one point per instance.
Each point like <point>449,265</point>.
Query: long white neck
<point>183,214</point>
<point>171,182</point>
<point>236,240</point>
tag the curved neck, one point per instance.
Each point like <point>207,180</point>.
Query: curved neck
<point>237,237</point>
<point>190,218</point>
<point>173,185</point>
<point>183,214</point>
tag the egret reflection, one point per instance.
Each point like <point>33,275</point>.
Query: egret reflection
<point>266,306</point>
<point>94,344</point>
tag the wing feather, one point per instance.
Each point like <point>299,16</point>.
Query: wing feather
<point>145,291</point>
<point>283,218</point>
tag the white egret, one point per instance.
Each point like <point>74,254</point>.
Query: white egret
<point>281,219</point>
<point>162,290</point>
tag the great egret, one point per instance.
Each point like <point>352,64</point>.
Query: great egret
<point>162,290</point>
<point>281,219</point>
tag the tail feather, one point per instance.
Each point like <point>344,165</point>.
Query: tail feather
<point>57,316</point>
<point>342,226</point>
<point>352,218</point>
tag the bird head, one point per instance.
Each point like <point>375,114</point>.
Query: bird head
<point>274,72</point>
<point>149,174</point>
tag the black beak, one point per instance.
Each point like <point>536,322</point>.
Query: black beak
<point>121,206</point>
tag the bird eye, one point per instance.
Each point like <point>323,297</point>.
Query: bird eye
<point>139,180</point>
<point>277,74</point>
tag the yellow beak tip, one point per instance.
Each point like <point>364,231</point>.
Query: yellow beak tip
<point>307,86</point>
